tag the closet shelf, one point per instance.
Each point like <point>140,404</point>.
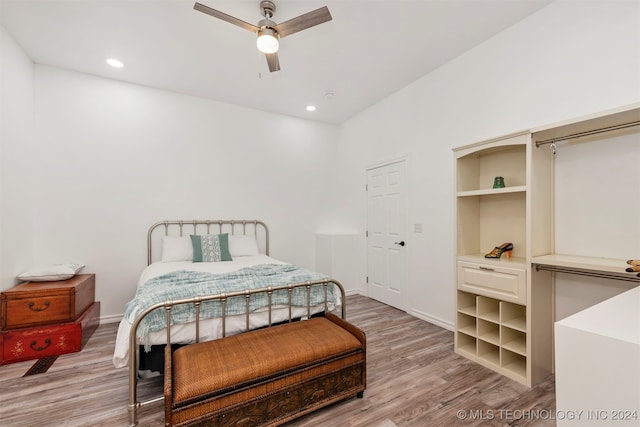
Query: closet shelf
<point>609,267</point>
<point>491,191</point>
<point>516,346</point>
<point>469,311</point>
<point>518,368</point>
<point>492,337</point>
<point>519,324</point>
<point>468,330</point>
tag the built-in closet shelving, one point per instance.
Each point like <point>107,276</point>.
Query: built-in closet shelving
<point>504,307</point>
<point>597,129</point>
<point>495,311</point>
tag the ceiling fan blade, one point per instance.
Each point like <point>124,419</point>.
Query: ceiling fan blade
<point>272,61</point>
<point>303,22</point>
<point>220,15</point>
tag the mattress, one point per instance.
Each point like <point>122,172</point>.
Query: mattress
<point>209,328</point>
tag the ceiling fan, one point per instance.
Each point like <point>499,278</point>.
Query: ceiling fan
<point>268,31</point>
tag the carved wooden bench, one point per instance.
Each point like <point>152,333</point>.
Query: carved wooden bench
<point>267,376</point>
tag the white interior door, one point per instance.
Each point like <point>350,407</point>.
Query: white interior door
<point>386,230</point>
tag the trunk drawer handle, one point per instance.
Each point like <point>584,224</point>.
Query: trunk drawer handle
<point>32,308</point>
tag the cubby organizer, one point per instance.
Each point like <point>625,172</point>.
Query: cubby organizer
<point>493,333</point>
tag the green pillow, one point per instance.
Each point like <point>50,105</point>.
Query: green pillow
<point>210,247</point>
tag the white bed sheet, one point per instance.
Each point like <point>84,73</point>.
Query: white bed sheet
<point>209,328</point>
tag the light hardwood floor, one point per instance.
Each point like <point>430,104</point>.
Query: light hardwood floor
<point>413,379</point>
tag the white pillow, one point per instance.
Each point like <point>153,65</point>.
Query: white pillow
<point>176,248</point>
<point>51,273</point>
<point>243,245</point>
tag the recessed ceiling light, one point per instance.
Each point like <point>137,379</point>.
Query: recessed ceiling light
<point>115,63</point>
<point>311,108</point>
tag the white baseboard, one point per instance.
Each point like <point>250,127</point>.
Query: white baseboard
<point>432,319</point>
<point>114,318</point>
<point>415,313</point>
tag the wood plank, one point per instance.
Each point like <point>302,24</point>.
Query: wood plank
<point>413,379</point>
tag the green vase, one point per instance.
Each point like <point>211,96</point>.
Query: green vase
<point>498,182</point>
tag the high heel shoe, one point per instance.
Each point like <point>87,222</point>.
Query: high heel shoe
<point>505,248</point>
<point>635,266</point>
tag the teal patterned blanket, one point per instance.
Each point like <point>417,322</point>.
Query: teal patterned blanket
<point>187,284</point>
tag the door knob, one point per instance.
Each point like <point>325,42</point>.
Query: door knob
<point>399,243</point>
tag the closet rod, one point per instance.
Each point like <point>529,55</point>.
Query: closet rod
<point>586,133</point>
<point>602,275</point>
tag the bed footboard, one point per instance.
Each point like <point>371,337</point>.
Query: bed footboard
<point>134,404</point>
<point>265,377</point>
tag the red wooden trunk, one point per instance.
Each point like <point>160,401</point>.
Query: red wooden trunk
<point>17,345</point>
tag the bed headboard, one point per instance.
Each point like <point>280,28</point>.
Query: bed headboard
<point>187,227</point>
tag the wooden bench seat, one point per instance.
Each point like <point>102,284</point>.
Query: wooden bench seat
<point>267,376</point>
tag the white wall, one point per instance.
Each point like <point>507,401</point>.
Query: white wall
<point>597,206</point>
<point>113,158</point>
<point>596,193</point>
<point>16,124</point>
<point>568,60</point>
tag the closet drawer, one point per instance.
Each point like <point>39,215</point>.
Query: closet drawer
<point>507,284</point>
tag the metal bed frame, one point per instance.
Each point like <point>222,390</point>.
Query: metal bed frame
<point>177,227</point>
<point>259,229</point>
<point>134,404</point>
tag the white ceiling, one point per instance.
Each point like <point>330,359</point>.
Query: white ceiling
<point>369,50</point>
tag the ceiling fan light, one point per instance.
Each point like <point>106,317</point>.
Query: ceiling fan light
<point>267,41</point>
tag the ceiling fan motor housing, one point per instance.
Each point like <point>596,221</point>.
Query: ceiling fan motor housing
<point>268,8</point>
<point>267,23</point>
